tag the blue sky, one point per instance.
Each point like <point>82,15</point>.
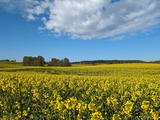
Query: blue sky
<point>64,29</point>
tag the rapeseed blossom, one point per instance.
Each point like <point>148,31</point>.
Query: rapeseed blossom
<point>115,92</point>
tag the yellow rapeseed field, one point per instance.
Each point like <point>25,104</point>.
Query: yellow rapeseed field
<point>101,92</point>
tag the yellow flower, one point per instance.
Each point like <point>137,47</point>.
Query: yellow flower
<point>59,98</point>
<point>97,116</point>
<point>134,98</point>
<point>45,95</point>
<point>112,101</point>
<point>5,117</point>
<point>25,113</point>
<point>145,105</point>
<point>18,113</point>
<point>1,104</point>
<point>116,117</point>
<point>83,95</point>
<point>81,106</point>
<point>44,111</point>
<point>28,109</point>
<point>17,105</point>
<point>155,115</point>
<point>17,117</point>
<point>128,108</point>
<point>139,93</point>
<point>92,107</point>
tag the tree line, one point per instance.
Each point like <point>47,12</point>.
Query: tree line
<point>108,62</point>
<point>40,61</point>
<point>7,60</point>
<point>57,62</point>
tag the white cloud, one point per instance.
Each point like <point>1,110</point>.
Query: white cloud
<point>31,17</point>
<point>90,19</point>
<point>40,28</point>
<point>117,38</point>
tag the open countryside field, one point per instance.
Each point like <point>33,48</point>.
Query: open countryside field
<point>80,92</point>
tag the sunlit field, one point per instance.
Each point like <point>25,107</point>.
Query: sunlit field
<point>80,92</point>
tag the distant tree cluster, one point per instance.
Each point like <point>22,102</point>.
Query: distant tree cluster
<point>40,61</point>
<point>7,60</point>
<point>158,61</point>
<point>108,62</point>
<point>33,61</point>
<point>57,62</point>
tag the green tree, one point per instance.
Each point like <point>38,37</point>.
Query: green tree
<point>53,62</point>
<point>39,61</point>
<point>28,61</point>
<point>66,62</point>
<point>33,61</point>
<point>57,62</point>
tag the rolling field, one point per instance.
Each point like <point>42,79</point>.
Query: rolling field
<point>80,92</point>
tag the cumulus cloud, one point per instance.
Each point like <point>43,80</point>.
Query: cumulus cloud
<point>90,19</point>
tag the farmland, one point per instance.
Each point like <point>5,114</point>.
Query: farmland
<point>80,92</point>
